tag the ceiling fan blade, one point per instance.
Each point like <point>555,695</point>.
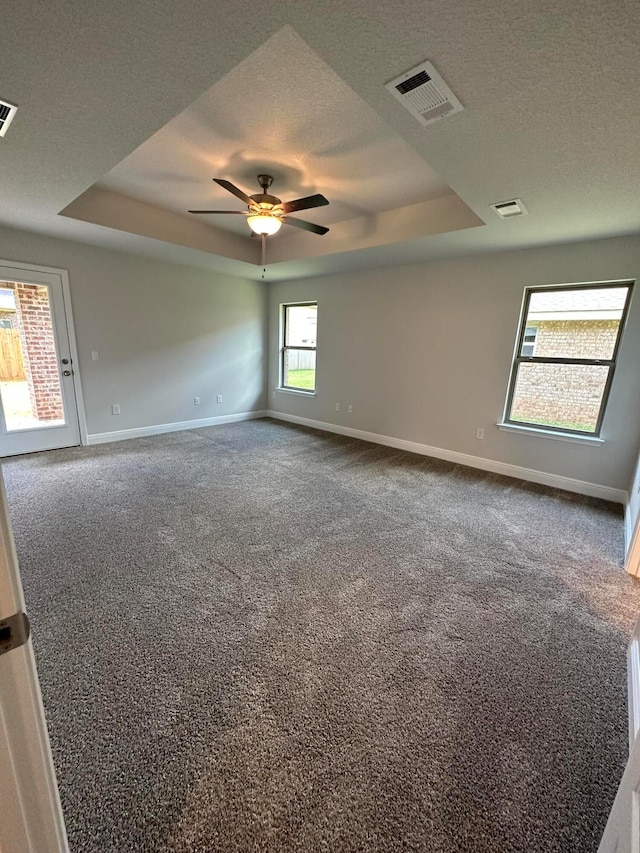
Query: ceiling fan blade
<point>306,226</point>
<point>233,212</point>
<point>305,203</point>
<point>227,185</point>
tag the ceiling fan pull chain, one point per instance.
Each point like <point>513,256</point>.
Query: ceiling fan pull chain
<point>263,237</point>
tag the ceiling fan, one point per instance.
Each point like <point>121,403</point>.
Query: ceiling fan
<point>267,213</point>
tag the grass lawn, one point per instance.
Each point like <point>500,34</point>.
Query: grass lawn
<point>18,412</point>
<point>305,379</point>
<point>16,400</point>
<point>576,425</point>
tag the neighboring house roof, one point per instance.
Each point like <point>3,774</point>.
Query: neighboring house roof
<point>593,304</point>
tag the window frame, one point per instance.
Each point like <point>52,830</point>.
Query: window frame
<point>284,347</point>
<point>610,363</point>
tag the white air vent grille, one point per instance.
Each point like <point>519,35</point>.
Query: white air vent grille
<point>7,112</point>
<point>425,94</point>
<point>507,209</point>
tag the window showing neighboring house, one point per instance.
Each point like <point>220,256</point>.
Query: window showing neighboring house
<point>298,346</point>
<point>566,356</point>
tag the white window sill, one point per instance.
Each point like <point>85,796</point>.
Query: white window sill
<point>297,392</point>
<point>548,433</point>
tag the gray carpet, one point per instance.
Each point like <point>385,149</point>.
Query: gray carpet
<point>258,637</point>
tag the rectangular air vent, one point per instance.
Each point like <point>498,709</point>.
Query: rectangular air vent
<point>507,209</point>
<point>425,94</point>
<point>7,112</point>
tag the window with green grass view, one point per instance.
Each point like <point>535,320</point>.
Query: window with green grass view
<point>566,356</point>
<point>298,351</point>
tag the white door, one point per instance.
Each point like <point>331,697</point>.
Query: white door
<point>30,814</point>
<point>622,832</point>
<point>38,387</point>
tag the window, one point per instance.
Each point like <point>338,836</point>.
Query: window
<point>298,350</point>
<point>566,356</point>
<point>529,341</point>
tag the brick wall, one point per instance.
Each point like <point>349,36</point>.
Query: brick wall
<point>576,338</point>
<point>565,394</point>
<point>38,349</point>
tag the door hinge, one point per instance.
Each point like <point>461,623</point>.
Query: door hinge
<point>14,632</point>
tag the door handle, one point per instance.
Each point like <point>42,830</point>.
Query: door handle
<point>14,632</point>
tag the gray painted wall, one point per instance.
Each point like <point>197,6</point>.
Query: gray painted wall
<point>165,333</point>
<point>423,353</point>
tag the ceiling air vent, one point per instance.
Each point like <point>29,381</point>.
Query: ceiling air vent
<point>425,94</point>
<point>507,209</point>
<point>7,112</point>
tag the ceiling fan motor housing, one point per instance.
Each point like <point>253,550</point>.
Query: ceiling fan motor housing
<point>266,212</point>
<point>265,199</point>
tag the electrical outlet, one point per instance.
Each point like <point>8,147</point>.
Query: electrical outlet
<point>95,355</point>
<point>480,432</point>
<point>219,398</point>
<point>337,407</point>
<point>349,408</point>
<point>115,409</point>
<point>196,401</point>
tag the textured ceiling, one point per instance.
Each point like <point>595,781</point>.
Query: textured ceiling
<point>549,90</point>
<point>316,135</point>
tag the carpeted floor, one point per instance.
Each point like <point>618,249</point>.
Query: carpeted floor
<point>258,637</point>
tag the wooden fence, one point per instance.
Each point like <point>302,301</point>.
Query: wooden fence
<point>11,362</point>
<point>301,360</point>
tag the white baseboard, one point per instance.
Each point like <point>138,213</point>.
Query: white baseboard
<point>158,429</point>
<point>554,480</point>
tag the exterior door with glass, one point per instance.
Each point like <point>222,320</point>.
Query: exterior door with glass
<point>38,388</point>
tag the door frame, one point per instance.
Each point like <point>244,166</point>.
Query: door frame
<point>63,275</point>
<point>32,819</point>
<point>632,563</point>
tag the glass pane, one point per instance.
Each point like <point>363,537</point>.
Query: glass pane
<point>565,396</point>
<point>301,323</point>
<point>29,379</point>
<point>300,369</point>
<point>576,323</point>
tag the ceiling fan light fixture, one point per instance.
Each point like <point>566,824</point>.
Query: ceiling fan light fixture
<point>264,223</point>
